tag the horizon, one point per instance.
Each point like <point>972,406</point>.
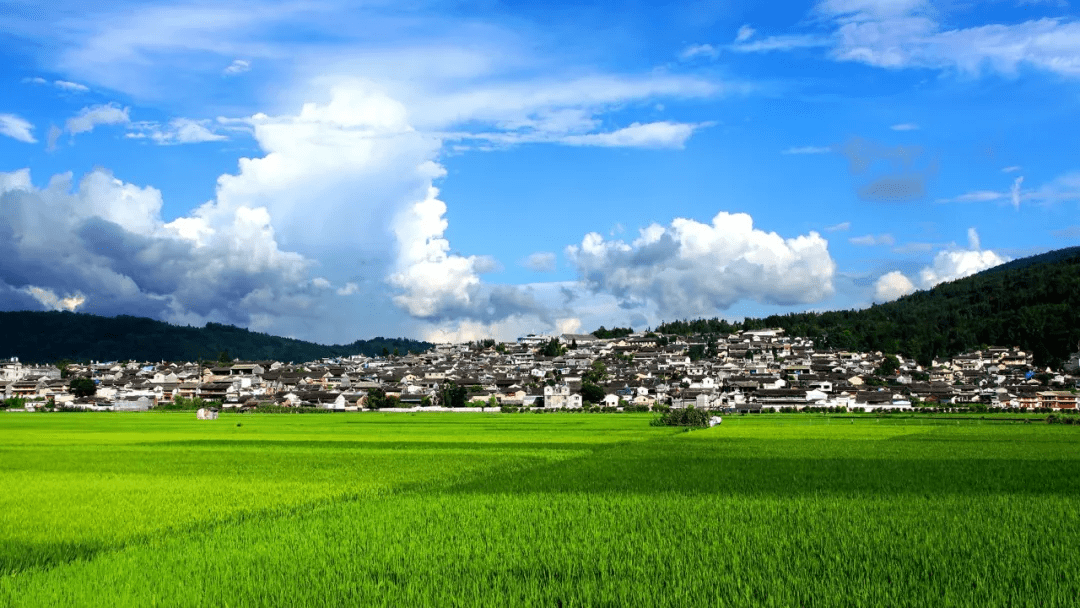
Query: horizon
<point>454,172</point>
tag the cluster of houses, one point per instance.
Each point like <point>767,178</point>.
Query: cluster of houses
<point>746,371</point>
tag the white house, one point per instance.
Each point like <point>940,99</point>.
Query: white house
<point>559,397</point>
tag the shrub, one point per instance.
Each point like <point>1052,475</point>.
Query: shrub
<point>690,417</point>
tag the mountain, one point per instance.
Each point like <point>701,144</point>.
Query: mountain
<point>52,336</point>
<point>1033,303</point>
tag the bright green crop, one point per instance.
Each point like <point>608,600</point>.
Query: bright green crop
<point>574,510</point>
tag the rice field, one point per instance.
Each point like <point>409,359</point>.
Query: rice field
<point>392,509</point>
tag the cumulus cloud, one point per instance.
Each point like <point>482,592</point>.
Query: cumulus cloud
<point>690,268</point>
<point>948,265</point>
<point>434,283</point>
<point>92,116</point>
<point>16,127</point>
<point>842,226</point>
<point>891,286</point>
<point>104,244</point>
<point>349,289</point>
<point>541,261</point>
<point>745,33</point>
<point>953,265</point>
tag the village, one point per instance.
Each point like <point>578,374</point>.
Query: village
<point>749,371</point>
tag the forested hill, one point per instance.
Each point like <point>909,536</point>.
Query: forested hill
<point>1033,303</point>
<point>51,336</point>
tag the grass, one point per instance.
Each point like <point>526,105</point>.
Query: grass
<point>577,510</point>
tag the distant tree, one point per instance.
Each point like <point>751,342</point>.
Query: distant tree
<point>596,373</point>
<point>82,387</point>
<point>385,352</point>
<point>454,395</point>
<point>62,365</point>
<point>614,332</point>
<point>223,357</point>
<point>592,393</point>
<point>552,348</point>
<point>889,366</point>
<point>376,399</point>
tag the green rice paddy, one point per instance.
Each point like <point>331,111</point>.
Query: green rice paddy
<point>396,509</point>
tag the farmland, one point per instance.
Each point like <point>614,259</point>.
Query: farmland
<point>403,509</point>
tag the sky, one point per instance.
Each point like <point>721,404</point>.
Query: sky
<point>332,170</point>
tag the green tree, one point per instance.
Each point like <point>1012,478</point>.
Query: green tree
<point>376,399</point>
<point>592,393</point>
<point>82,387</point>
<point>454,395</point>
<point>596,373</point>
<point>889,366</point>
<point>552,348</point>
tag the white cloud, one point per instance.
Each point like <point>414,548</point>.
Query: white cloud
<point>177,131</point>
<point>16,127</point>
<point>105,244</point>
<point>745,33</point>
<point>90,117</point>
<point>699,50</point>
<point>838,227</point>
<point>541,261</point>
<point>238,66</point>
<point>1014,192</point>
<point>974,242</point>
<point>436,284</point>
<point>891,286</point>
<point>780,43</point>
<point>51,301</point>
<point>948,265</point>
<point>907,33</point>
<point>320,283</point>
<point>907,126</point>
<point>650,135</point>
<point>952,265</point>
<point>71,87</point>
<point>349,289</point>
<point>869,239</point>
<point>690,268</point>
<point>808,150</point>
<point>1010,169</point>
<point>54,136</point>
<point>1062,188</point>
<point>976,196</point>
<point>64,85</point>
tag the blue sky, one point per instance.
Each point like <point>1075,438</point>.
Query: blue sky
<point>340,170</point>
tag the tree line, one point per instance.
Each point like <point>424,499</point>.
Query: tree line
<point>53,336</point>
